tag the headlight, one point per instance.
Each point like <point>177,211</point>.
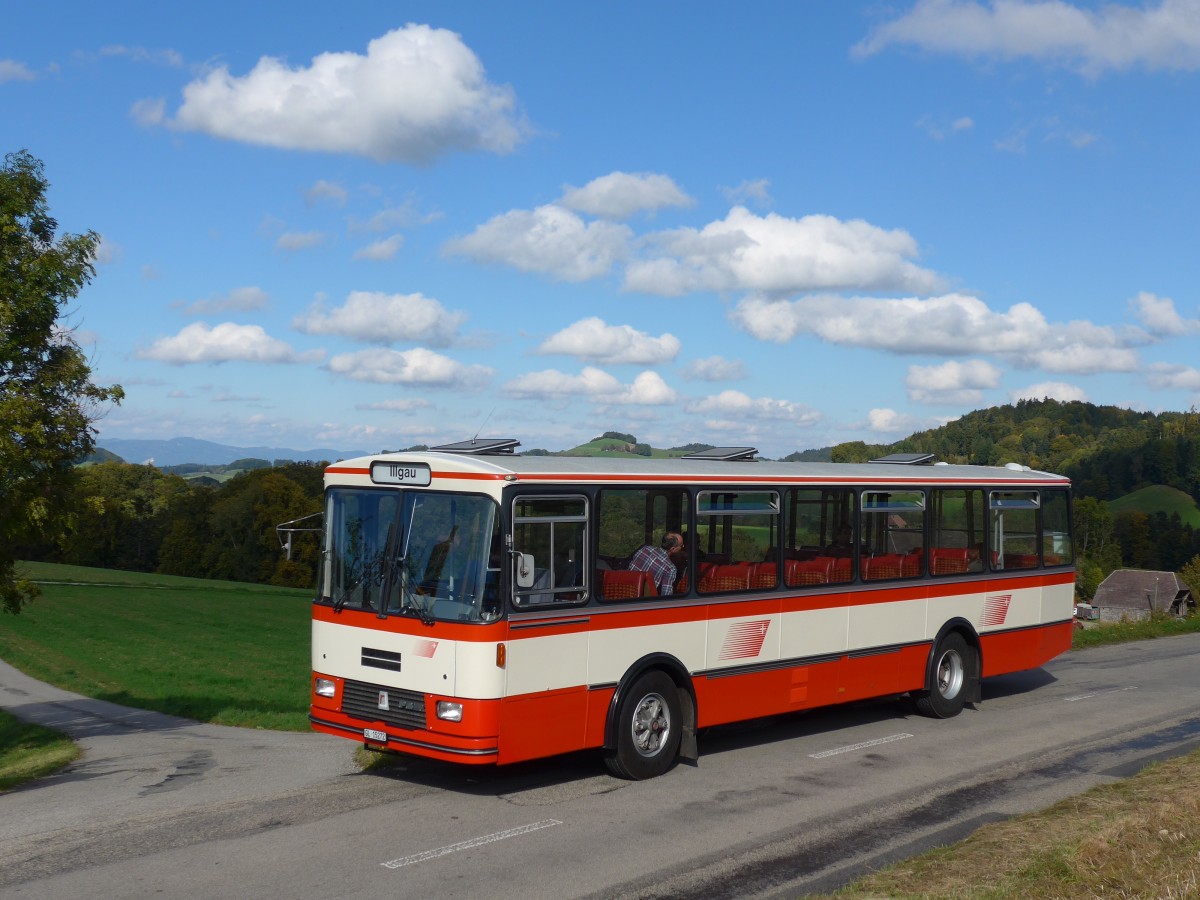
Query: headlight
<point>324,687</point>
<point>450,712</point>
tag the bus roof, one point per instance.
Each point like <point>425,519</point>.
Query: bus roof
<point>592,469</point>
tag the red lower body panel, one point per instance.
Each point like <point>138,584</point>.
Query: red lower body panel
<point>734,698</point>
<point>534,726</point>
<point>1016,651</point>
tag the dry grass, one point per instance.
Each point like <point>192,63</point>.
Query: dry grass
<point>30,751</point>
<point>1138,838</point>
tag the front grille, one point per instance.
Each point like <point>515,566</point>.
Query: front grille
<point>406,709</point>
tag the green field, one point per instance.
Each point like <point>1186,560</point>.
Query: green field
<point>1159,498</point>
<point>216,651</point>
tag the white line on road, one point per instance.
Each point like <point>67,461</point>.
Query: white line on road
<point>1077,697</point>
<point>864,745</point>
<point>467,845</point>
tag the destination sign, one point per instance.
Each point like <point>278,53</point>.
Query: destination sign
<point>385,472</point>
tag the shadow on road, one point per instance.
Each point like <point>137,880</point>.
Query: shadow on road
<point>588,766</point>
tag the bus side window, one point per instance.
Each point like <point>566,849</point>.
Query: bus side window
<point>957,531</point>
<point>737,536</point>
<point>893,534</point>
<point>632,524</point>
<point>1057,548</point>
<point>819,538</point>
<point>1014,531</point>
<point>549,550</point>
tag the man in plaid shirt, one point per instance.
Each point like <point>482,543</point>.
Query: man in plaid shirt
<point>660,561</point>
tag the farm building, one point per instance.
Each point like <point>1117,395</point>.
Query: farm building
<point>1133,594</point>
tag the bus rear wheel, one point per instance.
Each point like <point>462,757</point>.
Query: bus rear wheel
<point>951,679</point>
<point>648,729</point>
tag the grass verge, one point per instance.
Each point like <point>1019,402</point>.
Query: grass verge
<point>1134,838</point>
<point>31,751</point>
<point>221,652</point>
<point>1159,625</point>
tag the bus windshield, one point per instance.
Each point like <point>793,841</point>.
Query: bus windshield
<point>426,554</point>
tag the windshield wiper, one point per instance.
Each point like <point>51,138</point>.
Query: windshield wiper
<point>369,571</point>
<point>409,604</point>
<point>421,610</point>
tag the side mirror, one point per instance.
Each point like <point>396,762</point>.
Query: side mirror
<point>525,569</point>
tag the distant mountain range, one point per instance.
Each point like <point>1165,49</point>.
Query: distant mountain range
<point>178,451</point>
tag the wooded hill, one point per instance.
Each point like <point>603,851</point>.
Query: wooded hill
<point>1136,475</point>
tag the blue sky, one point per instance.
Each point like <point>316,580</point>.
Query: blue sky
<point>369,225</point>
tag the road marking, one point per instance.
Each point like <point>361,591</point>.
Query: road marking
<point>864,745</point>
<point>467,845</point>
<point>1132,687</point>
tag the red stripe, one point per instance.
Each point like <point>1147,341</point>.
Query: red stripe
<point>745,640</point>
<point>995,610</point>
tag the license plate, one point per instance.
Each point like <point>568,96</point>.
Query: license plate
<point>379,737</point>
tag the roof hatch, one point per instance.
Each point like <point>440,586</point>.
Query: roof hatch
<point>481,446</point>
<point>725,454</point>
<point>906,459</point>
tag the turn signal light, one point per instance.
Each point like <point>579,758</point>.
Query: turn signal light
<point>501,656</point>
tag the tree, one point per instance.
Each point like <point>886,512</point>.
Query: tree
<point>47,399</point>
<point>1190,573</point>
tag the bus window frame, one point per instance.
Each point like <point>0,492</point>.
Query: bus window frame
<point>585,589</point>
<point>890,507</point>
<point>1001,500</point>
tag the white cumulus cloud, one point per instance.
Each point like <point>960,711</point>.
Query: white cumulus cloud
<point>620,195</point>
<point>417,366</point>
<point>947,325</point>
<point>714,368</point>
<point>1052,390</point>
<point>953,382</point>
<point>1111,36</point>
<point>378,318</point>
<point>227,342</point>
<point>647,389</point>
<point>1159,316</point>
<point>737,405</point>
<point>775,254</point>
<point>888,421</point>
<point>415,95</point>
<point>593,339</point>
<point>549,240</point>
<point>1172,375</point>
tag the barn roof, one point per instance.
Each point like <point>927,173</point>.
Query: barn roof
<point>1141,589</point>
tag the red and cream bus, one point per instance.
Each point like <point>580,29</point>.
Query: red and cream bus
<point>479,606</point>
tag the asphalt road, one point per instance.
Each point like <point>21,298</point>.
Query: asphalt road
<point>169,808</point>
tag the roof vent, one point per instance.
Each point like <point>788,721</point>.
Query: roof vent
<point>906,459</point>
<point>481,446</point>
<point>725,454</point>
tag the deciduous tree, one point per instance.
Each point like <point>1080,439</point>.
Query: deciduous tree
<point>47,399</point>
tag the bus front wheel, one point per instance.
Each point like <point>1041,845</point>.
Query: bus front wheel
<point>648,726</point>
<point>951,679</point>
